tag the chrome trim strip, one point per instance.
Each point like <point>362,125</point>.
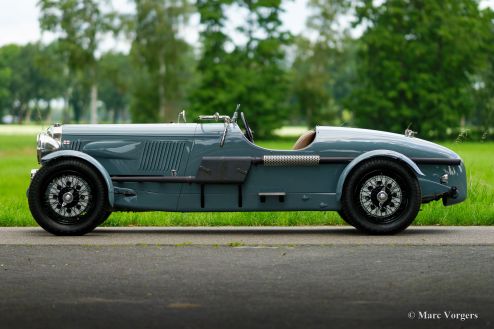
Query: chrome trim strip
<point>291,160</point>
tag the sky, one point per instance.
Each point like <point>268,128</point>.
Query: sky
<point>19,22</point>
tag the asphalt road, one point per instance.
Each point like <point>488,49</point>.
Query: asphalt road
<point>371,283</point>
<point>306,235</point>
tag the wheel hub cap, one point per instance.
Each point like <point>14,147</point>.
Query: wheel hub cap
<point>380,196</point>
<point>68,197</point>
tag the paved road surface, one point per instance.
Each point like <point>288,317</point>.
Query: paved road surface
<point>307,235</point>
<point>310,278</point>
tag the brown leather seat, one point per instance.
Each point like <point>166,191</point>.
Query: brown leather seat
<point>305,140</point>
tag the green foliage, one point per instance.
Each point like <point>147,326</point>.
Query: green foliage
<point>414,63</point>
<point>5,76</point>
<point>28,74</point>
<point>79,24</point>
<point>145,102</point>
<point>425,62</point>
<point>50,65</point>
<point>6,56</point>
<point>316,66</point>
<point>161,57</point>
<point>115,73</point>
<point>483,82</point>
<point>252,74</point>
<point>213,92</point>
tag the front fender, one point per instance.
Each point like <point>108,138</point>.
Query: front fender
<point>89,159</point>
<point>369,155</point>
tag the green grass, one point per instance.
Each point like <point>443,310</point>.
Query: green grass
<point>18,156</point>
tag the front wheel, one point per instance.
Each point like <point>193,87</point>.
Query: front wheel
<point>347,219</point>
<point>381,197</point>
<point>68,197</point>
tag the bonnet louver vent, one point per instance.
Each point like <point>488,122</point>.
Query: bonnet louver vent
<point>161,156</point>
<point>76,145</point>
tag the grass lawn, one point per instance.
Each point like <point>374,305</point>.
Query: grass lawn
<point>18,156</point>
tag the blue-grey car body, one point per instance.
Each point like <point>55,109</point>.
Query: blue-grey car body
<point>174,153</point>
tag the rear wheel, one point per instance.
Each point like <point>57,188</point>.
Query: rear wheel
<point>68,197</point>
<point>104,217</point>
<point>381,197</point>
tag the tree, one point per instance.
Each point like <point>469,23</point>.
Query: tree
<point>40,74</point>
<point>28,74</point>
<point>314,69</point>
<point>211,92</point>
<point>262,66</point>
<point>160,54</point>
<point>252,74</point>
<point>52,81</point>
<point>5,76</point>
<point>80,24</point>
<point>483,83</point>
<point>7,54</point>
<point>115,82</point>
<point>414,63</point>
<point>24,79</point>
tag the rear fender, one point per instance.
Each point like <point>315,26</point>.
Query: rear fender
<point>67,154</point>
<point>374,154</point>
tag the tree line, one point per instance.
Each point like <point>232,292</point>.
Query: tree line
<point>424,63</point>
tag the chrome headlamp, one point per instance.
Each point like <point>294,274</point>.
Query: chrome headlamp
<point>55,132</point>
<point>48,141</point>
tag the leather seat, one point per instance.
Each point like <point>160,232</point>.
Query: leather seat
<point>305,140</point>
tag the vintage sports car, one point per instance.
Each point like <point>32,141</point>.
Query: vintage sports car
<point>376,180</point>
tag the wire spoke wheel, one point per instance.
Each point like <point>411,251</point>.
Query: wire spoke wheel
<point>381,197</point>
<point>68,196</point>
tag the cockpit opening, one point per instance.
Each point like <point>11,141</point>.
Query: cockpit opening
<point>304,140</point>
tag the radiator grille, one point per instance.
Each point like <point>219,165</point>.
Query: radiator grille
<point>161,156</point>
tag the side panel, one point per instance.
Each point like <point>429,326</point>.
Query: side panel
<point>137,156</point>
<point>162,151</point>
<point>158,156</point>
<point>225,198</point>
<point>305,188</point>
<point>147,196</point>
<point>299,187</point>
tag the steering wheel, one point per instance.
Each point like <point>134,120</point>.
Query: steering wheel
<point>248,132</point>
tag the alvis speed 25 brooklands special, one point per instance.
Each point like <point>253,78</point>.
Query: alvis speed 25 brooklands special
<point>376,180</point>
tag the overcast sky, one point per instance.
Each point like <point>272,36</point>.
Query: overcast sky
<point>19,21</point>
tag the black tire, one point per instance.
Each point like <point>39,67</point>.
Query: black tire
<point>345,218</point>
<point>72,181</point>
<point>104,217</point>
<point>381,196</point>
